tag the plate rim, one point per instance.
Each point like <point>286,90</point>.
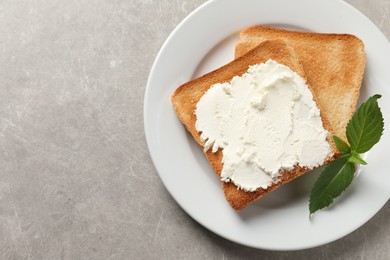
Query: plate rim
<point>149,145</point>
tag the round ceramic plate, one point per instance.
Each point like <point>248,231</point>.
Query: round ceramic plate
<point>280,221</point>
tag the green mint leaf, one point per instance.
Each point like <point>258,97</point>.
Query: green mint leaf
<point>342,146</point>
<point>366,126</point>
<point>336,177</point>
<point>356,158</point>
<point>363,131</point>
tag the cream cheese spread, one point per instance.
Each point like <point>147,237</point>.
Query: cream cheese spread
<point>265,121</point>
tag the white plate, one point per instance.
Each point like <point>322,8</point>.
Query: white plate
<point>280,221</point>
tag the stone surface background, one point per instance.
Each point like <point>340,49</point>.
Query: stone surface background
<point>76,179</point>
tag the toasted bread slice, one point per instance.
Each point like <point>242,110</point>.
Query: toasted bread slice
<point>186,97</point>
<point>333,63</point>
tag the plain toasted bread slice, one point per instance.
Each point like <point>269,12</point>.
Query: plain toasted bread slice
<point>333,63</point>
<point>186,97</point>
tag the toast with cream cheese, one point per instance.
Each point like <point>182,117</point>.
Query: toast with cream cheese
<point>186,97</point>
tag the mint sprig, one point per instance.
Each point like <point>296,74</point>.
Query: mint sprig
<point>363,131</point>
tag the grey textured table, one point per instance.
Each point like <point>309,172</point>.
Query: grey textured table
<point>76,179</point>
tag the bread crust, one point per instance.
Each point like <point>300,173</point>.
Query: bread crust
<point>185,98</point>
